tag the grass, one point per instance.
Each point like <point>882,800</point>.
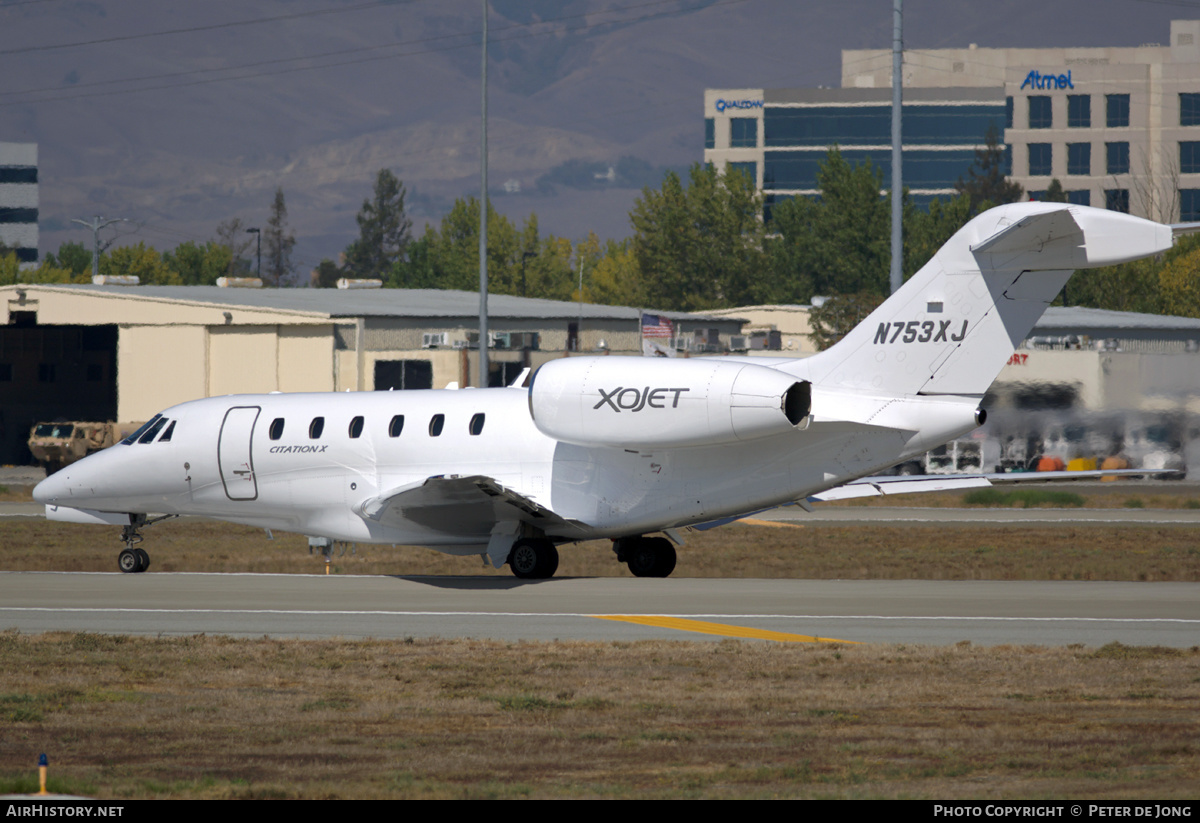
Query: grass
<point>910,551</point>
<point>213,717</point>
<point>1025,498</point>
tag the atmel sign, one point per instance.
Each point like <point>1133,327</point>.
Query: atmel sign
<point>1037,80</point>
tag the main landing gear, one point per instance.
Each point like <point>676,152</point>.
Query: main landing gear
<point>533,558</point>
<point>133,560</point>
<point>536,558</point>
<point>646,556</point>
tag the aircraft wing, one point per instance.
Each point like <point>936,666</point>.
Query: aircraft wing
<point>872,486</point>
<point>909,484</point>
<point>466,506</point>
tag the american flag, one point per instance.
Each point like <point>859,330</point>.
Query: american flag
<point>655,325</point>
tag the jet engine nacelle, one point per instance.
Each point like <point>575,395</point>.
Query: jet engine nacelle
<point>636,402</point>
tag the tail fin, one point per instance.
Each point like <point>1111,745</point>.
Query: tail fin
<point>955,323</point>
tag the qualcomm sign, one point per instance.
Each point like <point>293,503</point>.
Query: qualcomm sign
<point>722,105</point>
<point>1037,80</point>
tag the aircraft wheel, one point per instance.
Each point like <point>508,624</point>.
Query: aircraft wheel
<point>533,559</point>
<point>128,561</point>
<point>143,559</point>
<point>651,557</point>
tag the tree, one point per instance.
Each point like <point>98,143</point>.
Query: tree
<point>232,235</point>
<point>1157,187</point>
<point>1054,192</point>
<point>325,275</point>
<point>838,243</point>
<point>383,230</point>
<point>700,246</point>
<point>519,259</point>
<point>615,279</point>
<point>927,231</point>
<point>140,261</point>
<point>837,315</point>
<point>279,242</point>
<point>1179,278</point>
<point>986,184</point>
<point>75,257</point>
<point>199,265</point>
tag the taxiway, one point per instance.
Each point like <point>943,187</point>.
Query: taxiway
<point>608,609</point>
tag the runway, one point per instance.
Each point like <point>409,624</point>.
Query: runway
<point>608,609</point>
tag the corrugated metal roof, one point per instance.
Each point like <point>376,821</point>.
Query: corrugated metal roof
<point>337,303</point>
<point>1079,319</point>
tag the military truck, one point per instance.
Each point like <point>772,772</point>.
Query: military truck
<point>55,445</point>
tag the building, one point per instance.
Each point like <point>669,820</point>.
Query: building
<point>19,201</point>
<point>780,137</point>
<point>1119,127</point>
<point>123,353</point>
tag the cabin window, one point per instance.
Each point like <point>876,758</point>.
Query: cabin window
<point>356,427</point>
<point>153,431</point>
<point>477,423</point>
<point>396,426</point>
<point>276,430</point>
<point>316,427</point>
<point>166,438</point>
<point>435,424</point>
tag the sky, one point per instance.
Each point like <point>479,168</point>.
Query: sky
<point>177,115</point>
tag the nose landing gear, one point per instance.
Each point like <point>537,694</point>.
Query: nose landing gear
<point>133,560</point>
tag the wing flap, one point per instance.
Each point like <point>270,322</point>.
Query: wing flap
<point>462,506</point>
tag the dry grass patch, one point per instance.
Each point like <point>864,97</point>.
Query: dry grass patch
<point>946,552</point>
<point>223,718</point>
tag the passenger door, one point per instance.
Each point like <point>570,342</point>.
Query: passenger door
<point>233,453</point>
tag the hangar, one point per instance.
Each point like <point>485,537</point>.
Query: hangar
<point>122,353</point>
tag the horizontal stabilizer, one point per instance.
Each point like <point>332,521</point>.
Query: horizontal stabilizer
<point>1035,232</point>
<point>1066,237</point>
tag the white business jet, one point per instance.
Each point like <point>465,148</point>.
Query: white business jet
<point>616,447</point>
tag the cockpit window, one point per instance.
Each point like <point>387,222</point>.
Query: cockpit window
<point>166,438</point>
<point>133,438</point>
<point>316,427</point>
<point>153,431</point>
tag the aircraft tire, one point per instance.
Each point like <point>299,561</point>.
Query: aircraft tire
<point>143,559</point>
<point>651,557</point>
<point>533,559</point>
<point>128,561</point>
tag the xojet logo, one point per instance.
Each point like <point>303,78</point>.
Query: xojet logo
<point>1037,80</point>
<point>738,104</point>
<point>635,400</point>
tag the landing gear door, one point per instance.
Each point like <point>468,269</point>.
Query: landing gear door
<point>233,453</point>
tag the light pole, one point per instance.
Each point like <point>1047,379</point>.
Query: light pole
<point>98,223</point>
<point>484,367</point>
<point>258,239</point>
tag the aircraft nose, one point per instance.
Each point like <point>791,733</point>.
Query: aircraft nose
<point>52,489</point>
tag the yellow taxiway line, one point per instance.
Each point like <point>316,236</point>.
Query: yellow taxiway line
<point>722,629</point>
